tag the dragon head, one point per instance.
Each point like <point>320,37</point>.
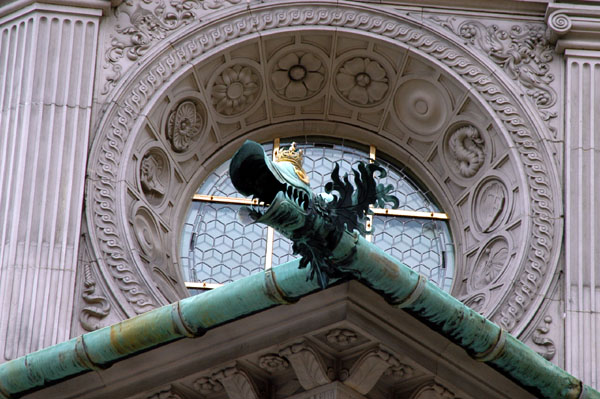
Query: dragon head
<point>315,223</point>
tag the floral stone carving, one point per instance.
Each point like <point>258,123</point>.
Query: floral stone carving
<point>184,124</point>
<point>298,76</point>
<point>235,90</point>
<point>523,52</point>
<point>362,81</point>
<point>467,149</point>
<point>341,337</point>
<point>273,363</point>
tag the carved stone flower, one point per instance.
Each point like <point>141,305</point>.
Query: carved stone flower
<point>362,81</point>
<point>184,124</point>
<point>273,363</point>
<point>298,76</point>
<point>235,90</point>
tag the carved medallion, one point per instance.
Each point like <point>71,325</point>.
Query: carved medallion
<point>298,75</point>
<point>184,125</point>
<point>154,176</point>
<point>341,337</point>
<point>466,150</point>
<point>421,106</point>
<point>490,204</point>
<point>147,233</point>
<point>491,263</point>
<point>362,81</point>
<point>235,90</point>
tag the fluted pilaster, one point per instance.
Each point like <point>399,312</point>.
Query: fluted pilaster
<point>582,218</point>
<point>47,64</point>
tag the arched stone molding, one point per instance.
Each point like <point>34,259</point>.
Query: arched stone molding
<point>480,111</point>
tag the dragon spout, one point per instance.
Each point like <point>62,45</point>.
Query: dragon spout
<point>314,222</point>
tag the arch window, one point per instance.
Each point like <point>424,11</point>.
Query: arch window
<point>217,247</point>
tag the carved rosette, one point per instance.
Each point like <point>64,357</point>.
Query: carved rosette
<point>236,89</point>
<point>362,81</point>
<point>207,385</point>
<point>298,75</point>
<point>273,363</point>
<point>185,124</point>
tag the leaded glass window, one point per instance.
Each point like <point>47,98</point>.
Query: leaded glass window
<point>218,248</point>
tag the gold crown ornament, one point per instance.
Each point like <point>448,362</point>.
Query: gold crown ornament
<point>296,158</point>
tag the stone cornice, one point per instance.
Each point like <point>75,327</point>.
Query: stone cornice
<point>15,6</point>
<point>574,26</point>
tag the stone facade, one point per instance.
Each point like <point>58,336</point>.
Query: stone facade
<point>114,112</point>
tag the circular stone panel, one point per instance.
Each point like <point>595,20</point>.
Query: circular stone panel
<point>421,106</point>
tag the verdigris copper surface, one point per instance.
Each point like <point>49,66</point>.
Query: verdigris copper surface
<point>314,222</point>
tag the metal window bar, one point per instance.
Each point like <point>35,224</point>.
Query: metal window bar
<point>270,230</point>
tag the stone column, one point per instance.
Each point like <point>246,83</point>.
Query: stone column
<point>47,65</point>
<point>577,31</point>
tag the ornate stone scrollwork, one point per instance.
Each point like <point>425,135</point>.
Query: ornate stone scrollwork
<point>367,370</point>
<point>421,105</point>
<point>307,364</point>
<point>166,393</point>
<point>362,81</point>
<point>490,205</point>
<point>236,89</point>
<point>298,75</point>
<point>467,150</point>
<point>477,302</point>
<point>341,337</point>
<point>97,306</point>
<point>273,363</point>
<point>184,125</point>
<point>523,52</point>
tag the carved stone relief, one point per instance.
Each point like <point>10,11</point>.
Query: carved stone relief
<point>273,363</point>
<point>307,364</point>
<point>491,263</point>
<point>298,75</point>
<point>524,53</point>
<point>342,337</point>
<point>540,338</point>
<point>466,150</point>
<point>237,383</point>
<point>96,306</point>
<point>141,24</point>
<point>185,123</point>
<point>155,176</point>
<point>371,366</point>
<point>236,89</point>
<point>490,205</point>
<point>207,385</point>
<point>422,106</point>
<point>362,81</point>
